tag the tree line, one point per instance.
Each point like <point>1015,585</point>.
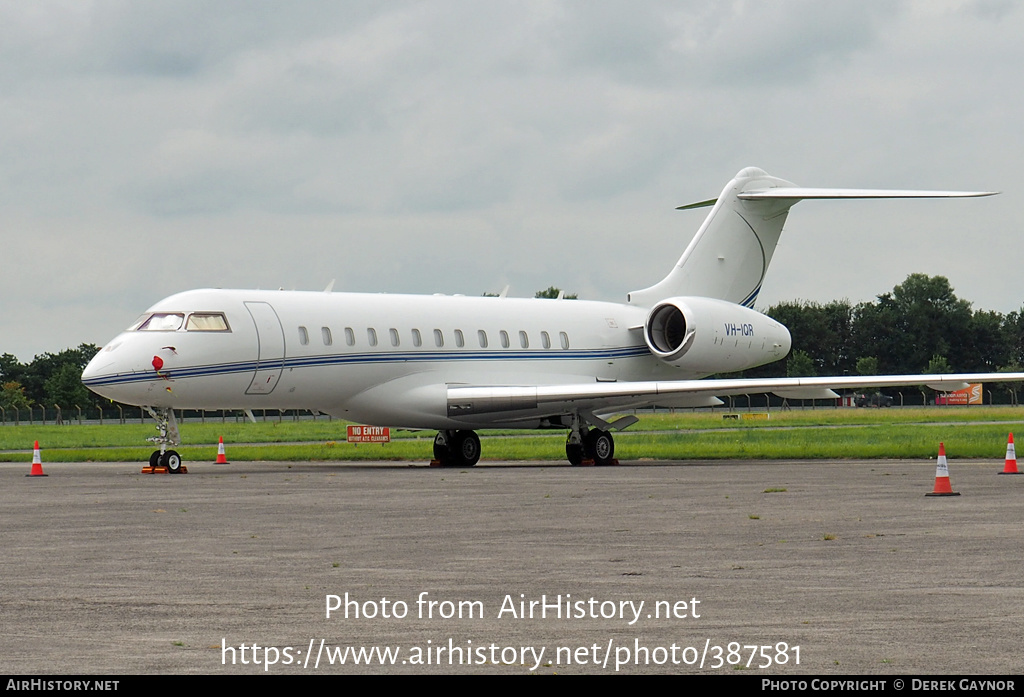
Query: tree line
<point>918,327</point>
<point>47,380</point>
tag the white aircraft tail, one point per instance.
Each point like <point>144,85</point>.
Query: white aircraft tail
<point>728,257</point>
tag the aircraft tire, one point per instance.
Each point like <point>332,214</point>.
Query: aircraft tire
<point>442,452</point>
<point>600,446</point>
<point>172,461</point>
<point>574,453</point>
<point>466,450</point>
<point>154,459</point>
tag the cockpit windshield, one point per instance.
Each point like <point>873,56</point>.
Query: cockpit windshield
<point>162,322</point>
<point>173,321</point>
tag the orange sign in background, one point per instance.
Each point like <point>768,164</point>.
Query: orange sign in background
<point>971,395</point>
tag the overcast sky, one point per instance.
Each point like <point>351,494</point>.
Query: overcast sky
<point>456,147</point>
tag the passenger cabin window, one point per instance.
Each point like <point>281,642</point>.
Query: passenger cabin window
<point>524,340</point>
<point>206,322</point>
<point>162,322</point>
<point>394,336</point>
<point>417,340</point>
<point>350,336</point>
<point>564,338</point>
<point>326,333</point>
<point>481,335</point>
<point>460,340</point>
<point>438,338</point>
<point>303,336</point>
<point>504,338</point>
<point>371,336</point>
<point>545,340</point>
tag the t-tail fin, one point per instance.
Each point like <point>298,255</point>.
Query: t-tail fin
<point>728,257</point>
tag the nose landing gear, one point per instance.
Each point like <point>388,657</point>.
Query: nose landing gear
<point>168,460</point>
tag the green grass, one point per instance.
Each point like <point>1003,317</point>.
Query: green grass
<point>903,441</point>
<point>132,434</point>
<point>974,432</point>
<point>831,417</point>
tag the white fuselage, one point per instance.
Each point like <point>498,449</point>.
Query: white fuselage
<point>457,364</point>
<point>389,359</point>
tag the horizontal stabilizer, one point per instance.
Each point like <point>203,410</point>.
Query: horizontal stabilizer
<point>800,192</point>
<point>699,204</point>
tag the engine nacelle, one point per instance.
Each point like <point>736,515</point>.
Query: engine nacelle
<point>706,336</point>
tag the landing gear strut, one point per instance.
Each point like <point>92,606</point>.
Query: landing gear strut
<point>457,448</point>
<point>574,450</point>
<point>167,426</point>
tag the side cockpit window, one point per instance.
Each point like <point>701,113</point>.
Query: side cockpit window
<point>207,322</point>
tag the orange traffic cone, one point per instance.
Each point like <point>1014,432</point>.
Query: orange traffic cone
<point>37,463</point>
<point>1011,458</point>
<point>942,487</point>
<point>221,457</point>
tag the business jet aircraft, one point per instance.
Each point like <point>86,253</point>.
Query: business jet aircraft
<point>456,364</point>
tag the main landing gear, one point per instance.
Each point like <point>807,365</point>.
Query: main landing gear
<point>457,448</point>
<point>589,445</point>
<point>168,428</point>
<point>597,446</point>
<point>585,444</point>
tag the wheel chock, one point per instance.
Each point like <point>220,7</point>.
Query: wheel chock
<point>161,470</point>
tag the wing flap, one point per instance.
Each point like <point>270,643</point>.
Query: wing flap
<point>806,393</point>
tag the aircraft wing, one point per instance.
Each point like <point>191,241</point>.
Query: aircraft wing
<point>605,396</point>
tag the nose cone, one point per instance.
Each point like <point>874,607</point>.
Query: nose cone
<point>96,367</point>
<point>112,373</point>
<point>101,368</point>
<point>130,370</point>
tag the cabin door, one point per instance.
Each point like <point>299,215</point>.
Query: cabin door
<point>270,354</point>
